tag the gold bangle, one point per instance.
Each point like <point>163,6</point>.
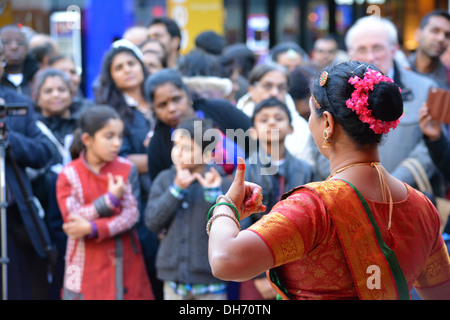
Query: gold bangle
<point>218,215</point>
<point>226,198</point>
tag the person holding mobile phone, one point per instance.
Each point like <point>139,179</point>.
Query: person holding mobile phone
<point>436,140</point>
<point>433,37</point>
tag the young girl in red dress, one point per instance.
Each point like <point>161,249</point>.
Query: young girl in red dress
<point>103,257</point>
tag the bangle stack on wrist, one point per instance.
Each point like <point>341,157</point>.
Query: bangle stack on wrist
<point>226,198</point>
<point>228,203</point>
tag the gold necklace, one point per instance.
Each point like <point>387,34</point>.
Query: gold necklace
<point>372,164</point>
<point>383,183</point>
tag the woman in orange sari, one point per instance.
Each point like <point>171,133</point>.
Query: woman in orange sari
<point>361,234</point>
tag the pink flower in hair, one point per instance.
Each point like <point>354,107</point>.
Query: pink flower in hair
<point>360,100</point>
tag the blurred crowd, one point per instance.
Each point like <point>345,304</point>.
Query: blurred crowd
<point>155,90</point>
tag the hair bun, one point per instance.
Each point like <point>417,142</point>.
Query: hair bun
<point>386,101</point>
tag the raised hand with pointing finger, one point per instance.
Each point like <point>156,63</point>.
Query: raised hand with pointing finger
<point>246,196</point>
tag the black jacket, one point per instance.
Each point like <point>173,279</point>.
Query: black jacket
<point>183,253</point>
<point>28,148</point>
<point>30,67</point>
<point>440,153</point>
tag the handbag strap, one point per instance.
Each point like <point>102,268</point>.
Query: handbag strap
<point>419,174</point>
<point>46,131</point>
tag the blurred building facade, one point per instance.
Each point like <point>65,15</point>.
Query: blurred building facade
<point>259,23</point>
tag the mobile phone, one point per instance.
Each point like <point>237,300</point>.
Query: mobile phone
<point>438,103</point>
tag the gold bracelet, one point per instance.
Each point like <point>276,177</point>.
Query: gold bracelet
<point>226,198</point>
<point>218,215</point>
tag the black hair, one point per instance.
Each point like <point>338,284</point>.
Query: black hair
<point>298,84</point>
<point>284,47</point>
<point>262,69</point>
<point>269,103</point>
<point>243,56</point>
<point>42,51</point>
<point>59,57</point>
<point>107,92</point>
<point>172,27</point>
<point>196,128</point>
<point>434,13</point>
<point>160,78</point>
<point>96,117</point>
<point>200,63</point>
<point>385,100</point>
<point>211,42</point>
<point>162,56</point>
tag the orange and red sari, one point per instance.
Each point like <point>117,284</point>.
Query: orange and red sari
<point>327,242</point>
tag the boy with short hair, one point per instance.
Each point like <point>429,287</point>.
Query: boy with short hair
<point>180,198</point>
<point>273,168</point>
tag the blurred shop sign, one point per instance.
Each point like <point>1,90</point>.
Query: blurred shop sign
<point>65,28</point>
<point>194,17</point>
<point>258,37</point>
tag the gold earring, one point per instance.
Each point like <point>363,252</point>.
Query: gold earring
<point>327,143</point>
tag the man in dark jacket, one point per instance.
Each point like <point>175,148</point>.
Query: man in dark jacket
<point>20,67</point>
<point>28,242</point>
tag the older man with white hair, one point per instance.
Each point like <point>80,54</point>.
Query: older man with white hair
<point>374,40</point>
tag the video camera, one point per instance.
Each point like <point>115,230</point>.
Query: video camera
<point>12,109</point>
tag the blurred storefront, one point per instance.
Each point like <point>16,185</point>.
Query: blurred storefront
<point>259,23</point>
<point>305,21</point>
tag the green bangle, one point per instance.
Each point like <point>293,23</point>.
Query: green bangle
<point>225,204</point>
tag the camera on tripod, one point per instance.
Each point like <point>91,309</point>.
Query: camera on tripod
<point>46,248</point>
<point>12,109</point>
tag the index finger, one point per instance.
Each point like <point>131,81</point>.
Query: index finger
<point>239,177</point>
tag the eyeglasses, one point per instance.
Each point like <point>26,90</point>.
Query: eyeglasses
<point>269,86</point>
<point>333,51</point>
<point>375,50</point>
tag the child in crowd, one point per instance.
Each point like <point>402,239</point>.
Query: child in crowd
<point>180,198</point>
<point>275,169</point>
<point>103,257</point>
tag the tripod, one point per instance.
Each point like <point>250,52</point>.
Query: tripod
<point>48,248</point>
<point>3,204</point>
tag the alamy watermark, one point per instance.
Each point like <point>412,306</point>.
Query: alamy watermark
<point>374,10</point>
<point>374,280</point>
<point>75,23</point>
